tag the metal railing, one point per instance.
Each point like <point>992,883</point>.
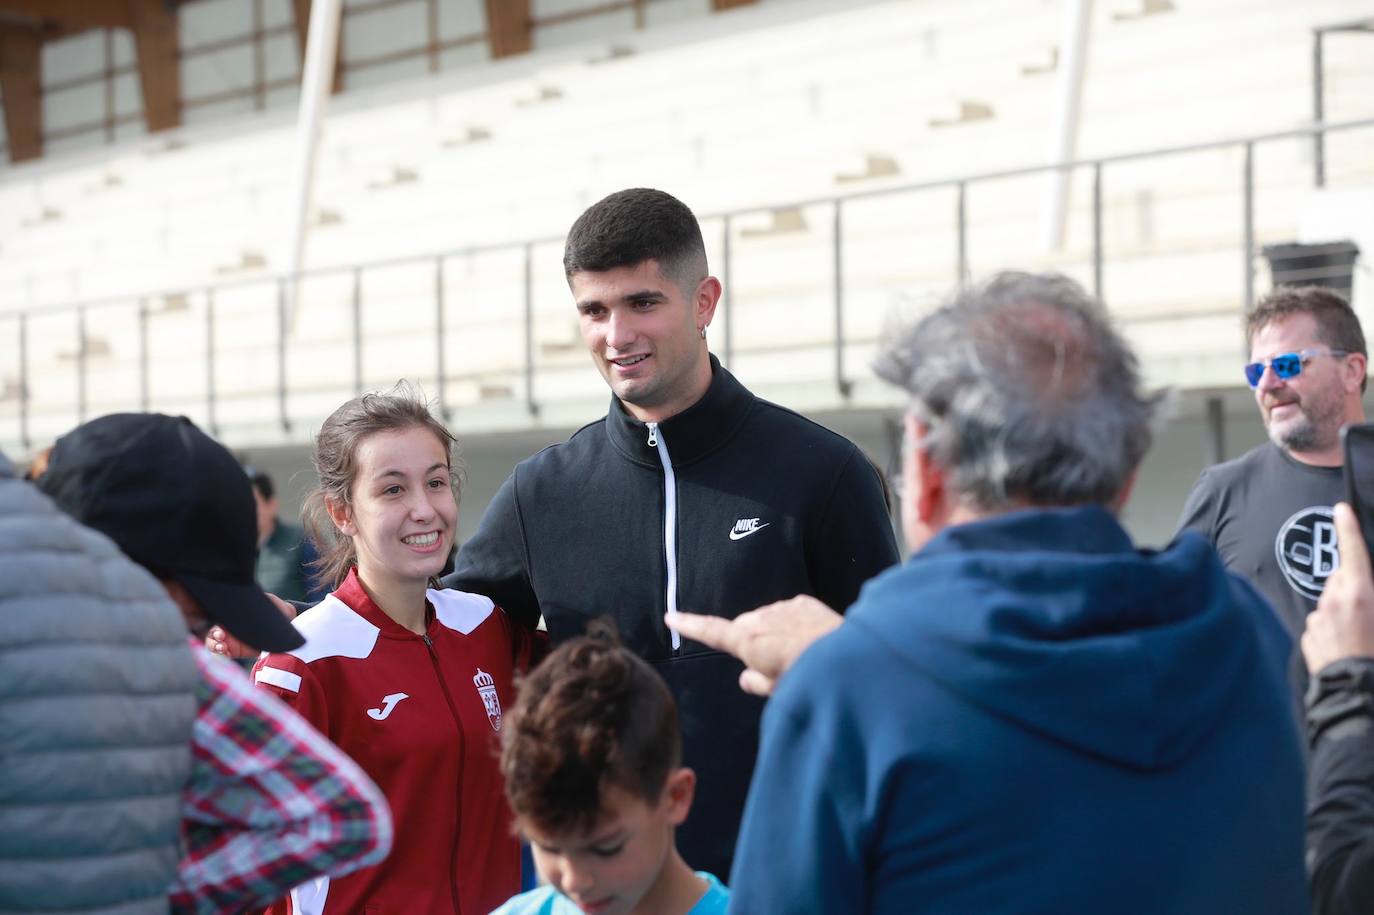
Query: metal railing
<point>1319,85</point>
<point>839,205</point>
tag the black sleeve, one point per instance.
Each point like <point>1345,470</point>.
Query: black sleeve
<point>495,562</point>
<point>851,540</point>
<point>1200,509</point>
<point>1340,788</point>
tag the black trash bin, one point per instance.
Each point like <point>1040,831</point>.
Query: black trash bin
<point>1331,265</point>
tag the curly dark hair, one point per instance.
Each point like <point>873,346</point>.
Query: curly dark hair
<point>592,716</point>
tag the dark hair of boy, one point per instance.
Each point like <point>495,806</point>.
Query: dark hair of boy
<point>592,716</point>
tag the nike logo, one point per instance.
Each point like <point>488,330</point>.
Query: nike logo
<point>746,526</point>
<point>388,703</point>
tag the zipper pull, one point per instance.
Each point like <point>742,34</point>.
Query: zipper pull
<point>653,434</point>
<point>427,641</point>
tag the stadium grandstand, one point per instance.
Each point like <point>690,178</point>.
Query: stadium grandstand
<point>184,228</point>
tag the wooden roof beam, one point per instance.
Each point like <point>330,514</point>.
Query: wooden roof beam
<point>301,11</point>
<point>718,5</point>
<point>72,14</point>
<point>21,84</point>
<point>508,27</point>
<point>155,31</point>
<point>159,71</point>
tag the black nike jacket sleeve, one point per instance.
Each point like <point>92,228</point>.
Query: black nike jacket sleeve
<point>495,562</point>
<point>852,539</point>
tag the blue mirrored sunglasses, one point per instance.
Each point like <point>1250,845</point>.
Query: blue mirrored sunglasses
<point>1286,365</point>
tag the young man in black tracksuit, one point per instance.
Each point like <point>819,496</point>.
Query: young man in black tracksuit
<point>690,494</point>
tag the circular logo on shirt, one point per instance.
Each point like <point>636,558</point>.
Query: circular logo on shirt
<point>1306,550</point>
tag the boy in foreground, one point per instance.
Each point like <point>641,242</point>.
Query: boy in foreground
<point>592,758</point>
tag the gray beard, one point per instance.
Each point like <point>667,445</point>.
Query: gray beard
<point>1302,436</point>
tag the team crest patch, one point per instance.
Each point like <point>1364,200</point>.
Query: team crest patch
<point>1306,550</point>
<point>486,688</point>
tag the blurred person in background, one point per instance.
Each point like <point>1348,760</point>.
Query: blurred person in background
<point>1269,511</point>
<point>285,556</point>
<point>1339,649</point>
<point>691,492</point>
<point>1029,715</point>
<point>269,803</point>
<point>98,697</point>
<point>410,681</point>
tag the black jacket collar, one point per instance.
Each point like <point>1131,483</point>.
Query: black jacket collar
<point>691,434</point>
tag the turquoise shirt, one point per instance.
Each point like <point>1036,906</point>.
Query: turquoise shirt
<point>548,901</point>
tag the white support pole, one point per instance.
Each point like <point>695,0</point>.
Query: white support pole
<point>317,82</point>
<point>1073,56</point>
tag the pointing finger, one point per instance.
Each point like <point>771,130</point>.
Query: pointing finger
<point>714,631</point>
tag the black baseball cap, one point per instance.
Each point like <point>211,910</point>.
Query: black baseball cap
<point>177,503</point>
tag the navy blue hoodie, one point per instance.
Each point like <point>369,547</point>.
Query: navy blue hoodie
<point>1032,716</point>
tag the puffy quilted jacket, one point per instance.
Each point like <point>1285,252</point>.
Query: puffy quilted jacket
<point>96,706</point>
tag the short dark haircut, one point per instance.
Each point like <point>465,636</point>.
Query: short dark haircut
<point>592,716</point>
<point>633,226</point>
<point>261,482</point>
<point>1337,325</point>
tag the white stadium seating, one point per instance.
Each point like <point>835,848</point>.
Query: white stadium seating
<point>749,113</point>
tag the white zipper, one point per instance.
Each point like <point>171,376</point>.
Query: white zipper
<point>669,523</point>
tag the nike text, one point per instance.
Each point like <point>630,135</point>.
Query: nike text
<point>746,526</point>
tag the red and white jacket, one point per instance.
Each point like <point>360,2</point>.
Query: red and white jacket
<point>421,714</point>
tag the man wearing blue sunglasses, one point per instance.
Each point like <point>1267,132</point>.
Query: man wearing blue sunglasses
<point>1269,512</point>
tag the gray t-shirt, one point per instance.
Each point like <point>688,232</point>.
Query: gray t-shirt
<point>1270,517</point>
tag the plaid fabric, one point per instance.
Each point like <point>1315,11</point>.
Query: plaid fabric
<point>271,803</point>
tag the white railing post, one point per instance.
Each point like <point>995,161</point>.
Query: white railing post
<point>317,81</point>
<point>1073,56</point>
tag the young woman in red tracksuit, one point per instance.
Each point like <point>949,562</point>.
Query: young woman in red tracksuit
<point>410,681</point>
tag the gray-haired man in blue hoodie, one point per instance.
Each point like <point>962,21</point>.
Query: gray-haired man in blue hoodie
<point>1029,715</point>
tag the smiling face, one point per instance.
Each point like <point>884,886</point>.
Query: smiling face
<point>620,866</point>
<point>403,513</point>
<point>1304,413</point>
<point>645,336</point>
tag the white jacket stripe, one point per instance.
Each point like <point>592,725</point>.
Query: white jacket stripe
<point>283,678</point>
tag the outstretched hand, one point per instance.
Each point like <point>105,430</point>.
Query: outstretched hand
<point>1342,626</point>
<point>767,640</point>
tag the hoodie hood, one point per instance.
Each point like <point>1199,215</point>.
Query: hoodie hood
<point>1052,619</point>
